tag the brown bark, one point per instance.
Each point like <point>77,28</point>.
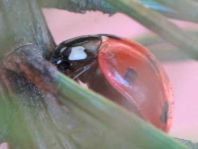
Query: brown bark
<point>24,38</point>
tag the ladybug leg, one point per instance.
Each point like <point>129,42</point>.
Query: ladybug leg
<point>80,71</point>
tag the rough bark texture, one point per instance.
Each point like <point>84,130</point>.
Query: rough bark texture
<point>29,62</point>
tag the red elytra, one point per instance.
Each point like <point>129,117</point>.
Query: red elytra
<point>135,73</point>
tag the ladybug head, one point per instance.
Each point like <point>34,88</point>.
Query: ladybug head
<point>76,55</point>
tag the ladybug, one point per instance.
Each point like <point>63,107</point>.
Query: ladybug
<point>121,70</point>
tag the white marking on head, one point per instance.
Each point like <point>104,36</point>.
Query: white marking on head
<point>77,53</point>
<point>58,62</point>
<point>63,49</point>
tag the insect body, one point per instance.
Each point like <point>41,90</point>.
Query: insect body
<point>121,70</point>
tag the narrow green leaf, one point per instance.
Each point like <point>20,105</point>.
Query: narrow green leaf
<point>158,24</point>
<point>186,8</point>
<point>162,49</point>
<point>181,9</point>
<point>110,126</point>
<point>13,128</point>
<point>84,120</point>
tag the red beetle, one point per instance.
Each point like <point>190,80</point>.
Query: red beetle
<point>121,70</point>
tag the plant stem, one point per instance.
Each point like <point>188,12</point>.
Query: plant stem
<point>186,8</point>
<point>79,5</point>
<point>23,23</point>
<point>158,24</point>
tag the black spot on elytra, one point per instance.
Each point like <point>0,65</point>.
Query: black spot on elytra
<point>130,75</point>
<point>164,114</point>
